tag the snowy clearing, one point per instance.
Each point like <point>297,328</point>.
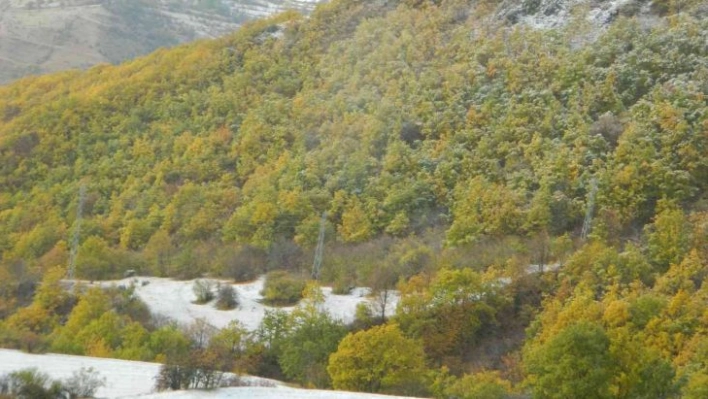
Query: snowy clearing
<point>174,299</point>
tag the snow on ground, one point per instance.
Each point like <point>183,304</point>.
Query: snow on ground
<point>123,378</point>
<point>135,380</point>
<point>174,298</point>
<point>550,14</point>
<point>264,393</point>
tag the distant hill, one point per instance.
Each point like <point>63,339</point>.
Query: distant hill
<point>40,36</point>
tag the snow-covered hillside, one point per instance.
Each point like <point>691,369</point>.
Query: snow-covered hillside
<point>280,392</point>
<point>123,378</point>
<point>260,8</point>
<point>174,299</point>
<point>135,380</point>
<point>547,14</point>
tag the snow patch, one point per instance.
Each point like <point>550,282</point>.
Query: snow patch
<point>174,299</point>
<point>123,378</point>
<point>550,14</point>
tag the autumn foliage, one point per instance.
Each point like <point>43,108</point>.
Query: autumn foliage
<point>537,197</point>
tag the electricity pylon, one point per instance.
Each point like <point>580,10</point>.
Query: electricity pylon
<point>587,223</point>
<point>77,232</point>
<point>319,251</point>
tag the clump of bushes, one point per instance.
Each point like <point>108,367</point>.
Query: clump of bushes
<point>203,290</point>
<point>342,287</point>
<point>191,375</point>
<point>226,297</point>
<point>282,288</point>
<point>32,384</point>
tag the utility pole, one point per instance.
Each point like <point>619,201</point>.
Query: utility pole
<point>587,223</point>
<point>319,251</point>
<point>77,232</point>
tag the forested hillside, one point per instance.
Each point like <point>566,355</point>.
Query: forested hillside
<point>450,149</point>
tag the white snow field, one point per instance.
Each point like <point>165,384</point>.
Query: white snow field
<point>264,393</point>
<point>174,299</point>
<point>123,378</point>
<point>135,380</point>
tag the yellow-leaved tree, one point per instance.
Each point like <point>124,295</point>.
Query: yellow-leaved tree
<point>381,360</point>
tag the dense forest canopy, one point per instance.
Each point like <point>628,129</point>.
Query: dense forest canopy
<point>448,147</point>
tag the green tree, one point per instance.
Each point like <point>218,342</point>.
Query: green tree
<point>159,252</point>
<point>381,360</point>
<point>668,238</point>
<point>229,343</point>
<point>355,226</point>
<point>687,275</point>
<point>312,337</point>
<point>282,288</point>
<point>483,208</point>
<point>91,306</point>
<point>32,384</point>
<point>482,385</point>
<point>168,343</point>
<point>449,312</point>
<point>697,386</point>
<point>94,260</point>
<point>50,294</point>
<point>576,363</point>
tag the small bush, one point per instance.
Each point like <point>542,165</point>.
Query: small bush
<point>84,383</point>
<point>363,317</point>
<point>32,384</point>
<point>171,377</point>
<point>282,289</point>
<point>203,290</point>
<point>196,371</point>
<point>226,297</point>
<point>200,333</point>
<point>342,287</point>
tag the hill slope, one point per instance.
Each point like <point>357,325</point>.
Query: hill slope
<point>251,137</point>
<point>435,144</point>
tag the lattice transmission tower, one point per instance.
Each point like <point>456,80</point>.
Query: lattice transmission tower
<point>587,223</point>
<point>319,251</point>
<point>76,235</point>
